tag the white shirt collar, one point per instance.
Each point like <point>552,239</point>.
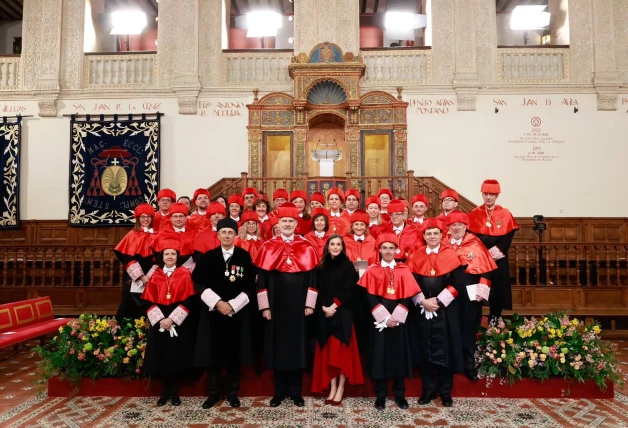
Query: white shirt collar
<point>319,235</point>
<point>214,229</point>
<point>201,213</point>
<point>335,214</point>
<point>263,219</point>
<point>301,215</point>
<point>169,271</point>
<point>227,253</point>
<point>430,251</point>
<point>358,238</point>
<point>164,215</point>
<point>419,220</point>
<point>390,265</point>
<point>181,230</point>
<point>373,223</point>
<point>253,237</point>
<point>236,219</point>
<point>456,241</point>
<point>287,239</point>
<point>398,228</point>
<point>350,212</point>
<point>147,230</point>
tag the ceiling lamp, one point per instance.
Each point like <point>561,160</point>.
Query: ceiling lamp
<point>263,24</point>
<point>401,25</point>
<point>128,22</point>
<point>526,18</point>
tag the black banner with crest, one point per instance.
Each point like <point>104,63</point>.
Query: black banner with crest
<point>114,166</point>
<point>10,135</point>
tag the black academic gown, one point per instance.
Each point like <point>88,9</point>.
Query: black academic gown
<point>501,288</point>
<point>440,339</point>
<point>337,280</point>
<point>224,338</point>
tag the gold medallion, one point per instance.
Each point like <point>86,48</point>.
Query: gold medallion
<point>289,261</point>
<point>432,272</point>
<point>390,290</point>
<point>168,296</point>
<point>334,228</point>
<point>232,278</point>
<point>358,259</point>
<point>488,224</point>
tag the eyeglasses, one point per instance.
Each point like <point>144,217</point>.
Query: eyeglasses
<point>145,217</point>
<point>449,200</point>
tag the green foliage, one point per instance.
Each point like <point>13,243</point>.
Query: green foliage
<point>554,345</point>
<point>94,347</point>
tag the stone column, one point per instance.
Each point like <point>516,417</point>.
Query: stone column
<point>607,79</point>
<point>621,38</point>
<point>72,42</point>
<point>443,38</point>
<point>41,53</point>
<point>559,29</point>
<point>486,40</point>
<point>186,83</point>
<point>581,41</point>
<point>466,81</point>
<point>317,21</point>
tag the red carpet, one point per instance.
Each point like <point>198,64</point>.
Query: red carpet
<point>254,386</point>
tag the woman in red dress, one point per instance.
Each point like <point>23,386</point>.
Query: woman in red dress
<point>170,341</point>
<point>320,230</point>
<point>359,243</point>
<point>136,256</point>
<point>376,224</point>
<point>250,235</point>
<point>299,199</point>
<point>337,357</point>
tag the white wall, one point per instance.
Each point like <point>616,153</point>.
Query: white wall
<point>9,30</point>
<point>585,178</point>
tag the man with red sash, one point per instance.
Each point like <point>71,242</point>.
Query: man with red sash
<point>449,201</point>
<point>165,198</point>
<point>207,239</point>
<point>178,230</point>
<point>390,288</point>
<point>495,226</point>
<point>199,220</point>
<point>406,236</point>
<point>249,196</point>
<point>476,278</point>
<point>437,328</point>
<point>286,295</point>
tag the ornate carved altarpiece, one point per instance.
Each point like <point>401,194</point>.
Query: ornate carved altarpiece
<point>327,83</point>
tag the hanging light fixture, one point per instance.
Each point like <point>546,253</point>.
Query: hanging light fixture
<point>128,22</point>
<point>529,18</point>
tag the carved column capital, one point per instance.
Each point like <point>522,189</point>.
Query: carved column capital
<point>466,85</point>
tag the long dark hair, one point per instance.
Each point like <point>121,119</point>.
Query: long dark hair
<point>326,222</point>
<point>326,249</point>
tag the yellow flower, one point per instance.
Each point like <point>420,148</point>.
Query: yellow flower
<point>562,360</point>
<point>509,341</point>
<point>596,329</point>
<point>125,360</point>
<point>95,335</point>
<point>539,328</point>
<point>60,329</point>
<point>494,352</point>
<point>542,357</point>
<point>559,333</point>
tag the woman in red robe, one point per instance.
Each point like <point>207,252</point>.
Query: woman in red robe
<point>337,223</point>
<point>359,243</point>
<point>137,258</point>
<point>337,358</point>
<point>170,341</point>
<point>250,235</point>
<point>376,224</point>
<point>299,199</point>
<point>261,209</point>
<point>320,230</point>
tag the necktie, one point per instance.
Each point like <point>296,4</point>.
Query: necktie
<point>169,271</point>
<point>182,230</point>
<point>398,230</point>
<point>359,238</point>
<point>319,235</point>
<point>456,242</point>
<point>147,230</point>
<point>335,215</point>
<point>249,237</point>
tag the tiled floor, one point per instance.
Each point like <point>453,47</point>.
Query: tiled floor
<point>20,406</point>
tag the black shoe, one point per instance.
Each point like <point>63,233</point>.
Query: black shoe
<point>209,403</point>
<point>233,401</point>
<point>276,401</point>
<point>402,402</point>
<point>176,401</point>
<point>426,398</point>
<point>471,374</point>
<point>380,403</point>
<point>447,401</point>
<point>162,401</point>
<point>298,401</point>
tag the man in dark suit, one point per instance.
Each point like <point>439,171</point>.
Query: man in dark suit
<point>225,279</point>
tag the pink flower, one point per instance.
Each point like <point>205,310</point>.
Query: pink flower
<point>503,344</point>
<point>72,333</point>
<point>101,357</point>
<point>81,356</point>
<point>600,366</point>
<point>137,370</point>
<point>80,335</point>
<point>71,351</point>
<point>497,331</point>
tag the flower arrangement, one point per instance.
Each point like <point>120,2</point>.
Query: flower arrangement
<point>95,347</point>
<point>554,345</point>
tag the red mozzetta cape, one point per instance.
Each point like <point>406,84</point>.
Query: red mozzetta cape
<point>473,254</point>
<point>339,225</point>
<point>198,222</point>
<point>502,221</point>
<point>376,283</point>
<point>303,227</point>
<point>136,244</point>
<point>206,240</point>
<point>444,262</point>
<point>275,253</point>
<point>181,287</point>
<point>361,250</point>
<point>249,245</point>
<point>161,222</point>
<point>318,243</point>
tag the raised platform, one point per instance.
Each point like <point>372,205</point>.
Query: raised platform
<point>256,386</point>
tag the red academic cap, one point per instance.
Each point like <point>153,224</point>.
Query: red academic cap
<point>385,192</point>
<point>360,215</point>
<point>319,211</point>
<point>179,208</point>
<point>288,209</point>
<point>491,186</point>
<point>396,206</point>
<point>280,193</point>
<point>432,223</point>
<point>298,194</point>
<point>420,198</point>
<point>387,237</point>
<point>170,242</point>
<point>166,193</point>
<point>449,193</point>
<point>352,192</point>
<point>199,192</point>
<point>373,200</point>
<point>457,217</point>
<point>235,199</point>
<point>336,191</point>
<point>318,197</point>
<point>249,216</point>
<point>144,209</point>
<point>215,208</point>
<point>250,191</point>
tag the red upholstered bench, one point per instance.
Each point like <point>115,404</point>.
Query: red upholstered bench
<point>27,319</point>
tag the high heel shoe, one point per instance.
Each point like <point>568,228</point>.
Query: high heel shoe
<point>328,402</point>
<point>340,391</point>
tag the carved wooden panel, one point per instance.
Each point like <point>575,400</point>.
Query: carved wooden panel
<point>52,232</point>
<point>568,230</point>
<point>605,230</point>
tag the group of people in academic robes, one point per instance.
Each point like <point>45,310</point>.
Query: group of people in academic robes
<point>313,287</point>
